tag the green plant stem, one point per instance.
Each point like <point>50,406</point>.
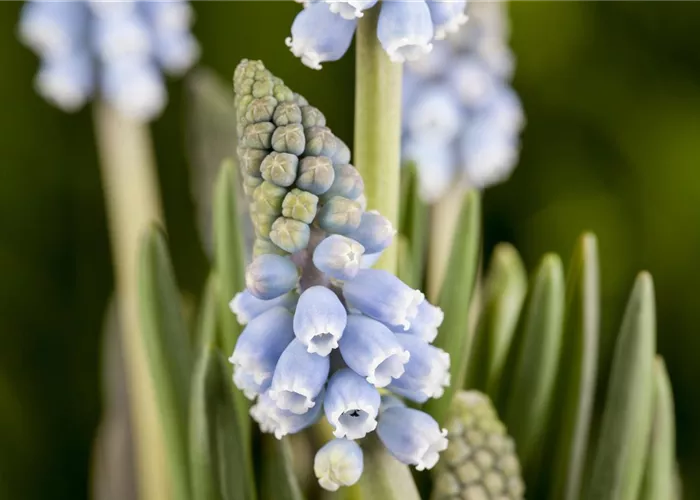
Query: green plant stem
<point>378,126</point>
<point>444,218</point>
<point>132,203</point>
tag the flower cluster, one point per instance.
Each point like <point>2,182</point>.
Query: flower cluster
<point>324,332</point>
<point>116,46</point>
<point>323,31</point>
<point>462,119</point>
<point>480,461</point>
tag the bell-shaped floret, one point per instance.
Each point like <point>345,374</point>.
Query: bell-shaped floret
<point>427,372</point>
<point>319,320</point>
<point>351,405</point>
<point>339,257</point>
<point>338,463</point>
<point>270,276</point>
<point>405,29</point>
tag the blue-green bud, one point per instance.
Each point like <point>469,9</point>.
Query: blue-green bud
<point>312,117</point>
<point>250,160</point>
<point>250,184</point>
<point>340,215</point>
<point>300,100</point>
<point>320,141</point>
<point>263,246</point>
<point>347,183</point>
<point>287,113</point>
<point>300,205</point>
<point>268,198</point>
<point>258,135</point>
<point>342,153</point>
<point>261,110</point>
<point>289,234</point>
<point>289,139</point>
<point>280,168</point>
<point>283,93</point>
<point>262,88</point>
<point>316,174</point>
<point>262,224</point>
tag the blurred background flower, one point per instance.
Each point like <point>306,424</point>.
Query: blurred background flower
<point>611,92</point>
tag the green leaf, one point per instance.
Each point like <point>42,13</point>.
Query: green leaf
<point>659,477</point>
<point>571,421</point>
<point>279,479</point>
<point>504,293</point>
<point>626,423</point>
<point>383,476</point>
<point>405,270</point>
<point>530,385</point>
<point>167,346</point>
<point>219,464</point>
<point>230,270</point>
<point>455,299</point>
<point>413,225</point>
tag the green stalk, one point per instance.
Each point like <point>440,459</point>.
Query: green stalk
<point>378,126</point>
<point>133,203</point>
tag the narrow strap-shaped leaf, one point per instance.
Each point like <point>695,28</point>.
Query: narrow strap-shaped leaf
<point>167,345</point>
<point>383,476</point>
<point>659,476</point>
<point>405,270</point>
<point>455,298</point>
<point>570,424</point>
<point>413,226</point>
<point>279,479</point>
<point>621,452</point>
<point>531,388</point>
<point>504,293</point>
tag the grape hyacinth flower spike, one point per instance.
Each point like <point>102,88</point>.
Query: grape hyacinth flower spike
<point>323,333</point>
<point>116,48</point>
<point>323,31</point>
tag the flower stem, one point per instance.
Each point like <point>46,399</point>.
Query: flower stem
<point>444,218</point>
<point>378,126</point>
<point>132,203</point>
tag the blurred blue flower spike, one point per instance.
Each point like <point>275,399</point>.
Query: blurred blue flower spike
<point>116,48</point>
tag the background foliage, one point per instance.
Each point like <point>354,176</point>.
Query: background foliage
<point>612,95</point>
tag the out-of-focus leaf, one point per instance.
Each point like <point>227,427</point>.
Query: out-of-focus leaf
<point>405,270</point>
<point>531,383</point>
<point>504,294</point>
<point>413,225</point>
<point>220,466</point>
<point>455,298</point>
<point>570,424</point>
<point>211,138</point>
<point>279,479</point>
<point>167,346</point>
<point>622,447</point>
<point>384,477</point>
<point>659,476</point>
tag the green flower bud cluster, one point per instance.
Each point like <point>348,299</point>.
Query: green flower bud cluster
<point>296,173</point>
<point>480,462</point>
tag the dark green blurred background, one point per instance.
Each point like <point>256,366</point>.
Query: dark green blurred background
<point>612,95</point>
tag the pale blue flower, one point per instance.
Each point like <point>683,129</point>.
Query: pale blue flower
<point>489,156</point>
<point>427,372</point>
<point>390,401</point>
<point>473,81</point>
<point>369,260</point>
<point>338,463</point>
<point>53,29</point>
<point>66,81</point>
<point>384,297</point>
<point>405,29</point>
<point>246,306</point>
<point>258,349</point>
<point>319,320</point>
<point>339,257</point>
<point>134,87</point>
<point>435,114</point>
<point>319,35</point>
<point>411,436</point>
<point>436,163</point>
<point>351,405</point>
<point>371,350</point>
<point>274,420</point>
<point>270,276</point>
<point>350,9</point>
<point>299,378</point>
<point>374,233</point>
<point>447,16</point>
<point>426,323</point>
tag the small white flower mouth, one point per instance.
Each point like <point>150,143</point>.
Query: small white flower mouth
<point>355,421</point>
<point>292,401</point>
<point>323,343</point>
<point>391,366</point>
<point>303,50</point>
<point>430,456</point>
<point>346,10</point>
<point>439,377</point>
<point>235,307</point>
<point>409,308</point>
<point>451,26</point>
<point>408,48</point>
<point>251,382</point>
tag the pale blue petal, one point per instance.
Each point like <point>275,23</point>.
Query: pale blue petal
<point>374,233</point>
<point>435,114</point>
<point>371,350</point>
<point>489,154</point>
<point>66,81</point>
<point>473,81</point>
<point>319,320</point>
<point>351,405</point>
<point>432,65</point>
<point>447,15</point>
<point>270,276</point>
<point>350,9</point>
<point>339,257</point>
<point>246,306</point>
<point>427,372</point>
<point>134,87</point>
<point>426,323</point>
<point>338,463</point>
<point>177,52</point>
<point>299,378</point>
<point>121,37</point>
<point>273,420</point>
<point>435,162</point>
<point>405,29</point>
<point>369,260</point>
<point>54,29</point>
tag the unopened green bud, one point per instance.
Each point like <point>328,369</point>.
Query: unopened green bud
<point>261,110</point>
<point>263,246</point>
<point>300,205</point>
<point>347,183</point>
<point>268,198</point>
<point>342,153</point>
<point>480,461</point>
<point>316,174</point>
<point>289,234</point>
<point>258,135</point>
<point>246,70</point>
<point>250,160</point>
<point>262,223</point>
<point>242,106</point>
<point>289,139</point>
<point>250,184</point>
<point>320,141</point>
<point>287,113</point>
<point>280,168</point>
<point>300,100</point>
<point>312,117</point>
<point>262,88</point>
<point>283,93</point>
<point>340,215</point>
